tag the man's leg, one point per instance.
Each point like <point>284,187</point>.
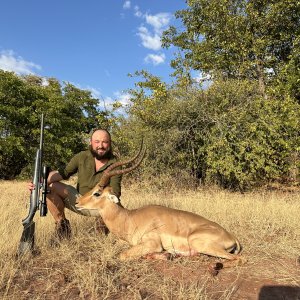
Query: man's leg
<point>55,200</point>
<point>55,203</point>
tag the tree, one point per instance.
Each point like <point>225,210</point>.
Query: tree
<point>237,39</point>
<point>16,123</point>
<point>69,113</point>
<point>227,134</point>
<point>288,81</point>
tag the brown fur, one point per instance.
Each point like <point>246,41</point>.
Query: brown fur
<point>153,229</point>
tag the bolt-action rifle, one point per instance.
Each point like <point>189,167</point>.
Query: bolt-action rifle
<point>40,177</point>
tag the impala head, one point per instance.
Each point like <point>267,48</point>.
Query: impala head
<point>94,198</point>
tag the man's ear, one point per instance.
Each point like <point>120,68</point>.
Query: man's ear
<point>113,198</point>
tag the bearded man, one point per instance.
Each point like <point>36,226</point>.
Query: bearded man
<point>89,166</point>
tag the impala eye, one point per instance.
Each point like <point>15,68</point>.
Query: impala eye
<point>96,194</point>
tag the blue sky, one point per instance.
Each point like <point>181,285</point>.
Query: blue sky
<point>92,44</point>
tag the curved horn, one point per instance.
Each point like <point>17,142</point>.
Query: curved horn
<point>109,172</point>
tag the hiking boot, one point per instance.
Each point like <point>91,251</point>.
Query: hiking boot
<point>63,230</point>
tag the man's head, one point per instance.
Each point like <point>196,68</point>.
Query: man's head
<point>100,144</point>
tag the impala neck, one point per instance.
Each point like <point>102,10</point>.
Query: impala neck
<point>116,219</point>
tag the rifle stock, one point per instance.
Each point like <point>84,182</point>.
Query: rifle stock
<point>27,238</point>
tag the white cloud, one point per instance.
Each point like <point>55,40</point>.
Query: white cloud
<point>158,21</point>
<point>45,81</point>
<point>137,12</point>
<point>126,4</point>
<point>123,98</point>
<point>155,59</point>
<point>106,103</point>
<point>95,92</point>
<point>201,77</point>
<point>150,32</point>
<point>9,61</point>
<point>149,40</point>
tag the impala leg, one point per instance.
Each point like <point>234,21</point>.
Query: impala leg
<point>159,256</point>
<point>218,251</point>
<point>141,249</point>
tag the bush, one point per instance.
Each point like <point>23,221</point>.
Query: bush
<point>228,134</point>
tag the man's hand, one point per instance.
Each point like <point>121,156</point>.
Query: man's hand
<point>54,176</point>
<point>31,186</point>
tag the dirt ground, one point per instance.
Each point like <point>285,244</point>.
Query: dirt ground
<point>246,282</point>
<point>250,281</point>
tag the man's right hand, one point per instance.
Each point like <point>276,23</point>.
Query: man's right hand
<point>31,186</point>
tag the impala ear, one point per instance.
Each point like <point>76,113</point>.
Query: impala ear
<point>113,198</point>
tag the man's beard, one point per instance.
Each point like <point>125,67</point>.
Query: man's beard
<point>106,155</point>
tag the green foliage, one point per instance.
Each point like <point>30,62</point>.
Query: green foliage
<point>69,113</point>
<point>244,129</point>
<point>288,79</point>
<point>228,134</point>
<point>236,38</point>
<point>253,138</point>
<point>16,98</point>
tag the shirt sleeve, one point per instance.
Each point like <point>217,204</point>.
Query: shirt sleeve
<point>71,168</point>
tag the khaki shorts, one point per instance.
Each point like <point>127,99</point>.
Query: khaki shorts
<point>71,200</point>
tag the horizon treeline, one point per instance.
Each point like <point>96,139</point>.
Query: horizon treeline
<point>237,127</point>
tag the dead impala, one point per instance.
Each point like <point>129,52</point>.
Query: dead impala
<point>153,229</point>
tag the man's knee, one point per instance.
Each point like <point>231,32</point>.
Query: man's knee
<point>55,185</point>
<point>58,189</point>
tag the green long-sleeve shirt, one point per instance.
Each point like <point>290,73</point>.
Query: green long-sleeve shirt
<point>83,164</point>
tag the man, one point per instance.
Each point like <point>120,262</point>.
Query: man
<point>89,166</point>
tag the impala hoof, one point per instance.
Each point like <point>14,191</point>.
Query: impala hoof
<point>215,268</point>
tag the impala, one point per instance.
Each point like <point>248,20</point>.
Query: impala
<point>158,231</point>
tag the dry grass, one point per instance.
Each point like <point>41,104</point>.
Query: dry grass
<point>87,267</point>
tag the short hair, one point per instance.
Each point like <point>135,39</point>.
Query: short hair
<point>100,129</point>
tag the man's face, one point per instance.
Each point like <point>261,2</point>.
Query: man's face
<point>100,144</point>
